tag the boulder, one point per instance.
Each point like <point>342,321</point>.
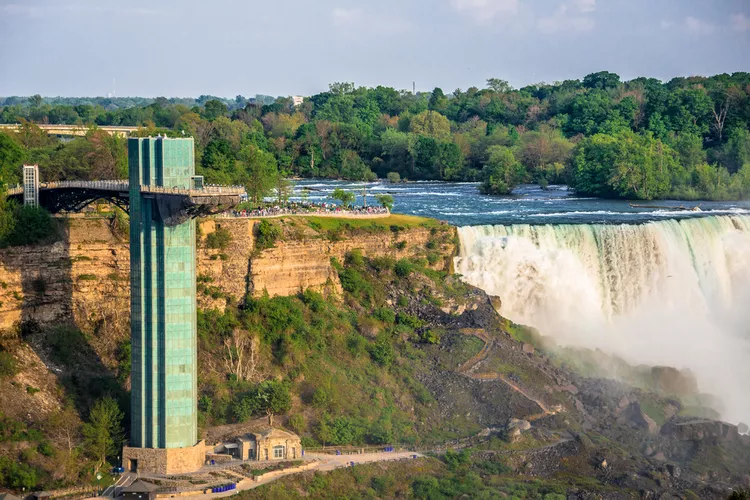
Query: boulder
<point>514,435</point>
<point>674,470</point>
<point>528,348</point>
<point>496,302</point>
<point>673,381</point>
<point>636,416</point>
<point>515,423</point>
<point>742,428</point>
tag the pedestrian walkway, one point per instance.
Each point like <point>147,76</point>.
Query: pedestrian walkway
<point>323,462</point>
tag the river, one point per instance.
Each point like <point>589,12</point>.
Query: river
<point>653,286</point>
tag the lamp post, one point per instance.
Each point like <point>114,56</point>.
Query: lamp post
<point>98,479</point>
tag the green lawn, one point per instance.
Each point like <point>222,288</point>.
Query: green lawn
<point>406,221</point>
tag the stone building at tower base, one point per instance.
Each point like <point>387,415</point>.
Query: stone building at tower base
<point>164,460</point>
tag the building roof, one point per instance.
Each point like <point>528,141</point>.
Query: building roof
<point>8,496</point>
<point>276,434</point>
<point>140,486</point>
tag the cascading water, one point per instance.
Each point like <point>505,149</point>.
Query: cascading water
<point>673,293</point>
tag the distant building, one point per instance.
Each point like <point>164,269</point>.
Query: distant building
<point>7,495</point>
<point>271,444</point>
<point>139,490</point>
<point>297,100</point>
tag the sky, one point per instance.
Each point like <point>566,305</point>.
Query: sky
<point>186,48</point>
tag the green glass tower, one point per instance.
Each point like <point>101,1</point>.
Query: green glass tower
<point>163,307</point>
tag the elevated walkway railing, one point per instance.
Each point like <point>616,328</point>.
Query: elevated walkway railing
<point>124,186</point>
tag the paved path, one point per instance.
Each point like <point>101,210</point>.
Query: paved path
<point>324,463</point>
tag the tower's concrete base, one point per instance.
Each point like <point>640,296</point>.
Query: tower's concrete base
<point>164,460</point>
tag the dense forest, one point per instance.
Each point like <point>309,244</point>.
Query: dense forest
<point>642,139</point>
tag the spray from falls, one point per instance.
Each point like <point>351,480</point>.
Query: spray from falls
<point>674,293</point>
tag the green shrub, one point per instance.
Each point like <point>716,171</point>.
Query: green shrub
<point>354,258</point>
<point>219,239</point>
<point>353,282</point>
<point>403,301</point>
<point>382,352</point>
<point>46,449</point>
<point>66,344</point>
<point>429,337</point>
<point>297,423</point>
<point>32,390</point>
<point>28,226</point>
<point>433,258</point>
<point>86,277</point>
<point>266,235</point>
<point>17,475</point>
<point>381,264</point>
<point>403,268</point>
<point>385,315</point>
<point>8,367</point>
<point>270,396</point>
<point>124,355</point>
<point>400,245</point>
<point>409,321</point>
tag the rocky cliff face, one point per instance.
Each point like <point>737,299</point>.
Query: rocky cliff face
<point>85,277</point>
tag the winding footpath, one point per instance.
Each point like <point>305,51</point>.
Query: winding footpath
<point>469,367</point>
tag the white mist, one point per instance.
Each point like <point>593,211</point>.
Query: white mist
<point>674,293</point>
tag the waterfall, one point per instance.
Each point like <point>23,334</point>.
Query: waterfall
<point>673,293</point>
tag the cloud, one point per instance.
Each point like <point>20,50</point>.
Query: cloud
<point>697,26</point>
<point>584,5</point>
<point>361,21</point>
<point>37,11</point>
<point>570,17</point>
<point>484,11</point>
<point>667,25</point>
<point>346,17</point>
<point>740,22</point>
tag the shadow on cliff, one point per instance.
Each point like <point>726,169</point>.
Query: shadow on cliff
<point>47,320</point>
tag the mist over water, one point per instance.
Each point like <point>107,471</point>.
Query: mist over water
<point>672,292</point>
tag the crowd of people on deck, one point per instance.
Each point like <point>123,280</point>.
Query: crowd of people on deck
<point>307,209</point>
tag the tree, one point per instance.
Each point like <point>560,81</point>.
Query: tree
<point>498,85</point>
<point>393,177</point>
<point>502,171</point>
<point>602,80</point>
<point>385,200</point>
<point>12,156</point>
<point>737,149</point>
<point>103,432</point>
<point>36,100</point>
<point>431,124</point>
<point>345,197</point>
<point>241,349</point>
<point>626,165</point>
<point>438,101</point>
<point>259,173</point>
<point>214,109</point>
<point>367,176</point>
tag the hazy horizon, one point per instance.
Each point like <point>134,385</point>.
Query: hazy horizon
<point>289,47</point>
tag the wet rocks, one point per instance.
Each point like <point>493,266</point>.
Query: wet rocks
<point>673,381</point>
<point>634,415</point>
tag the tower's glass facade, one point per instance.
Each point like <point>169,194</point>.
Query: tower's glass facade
<point>163,308</point>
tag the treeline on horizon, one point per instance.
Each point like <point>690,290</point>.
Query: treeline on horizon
<point>688,138</point>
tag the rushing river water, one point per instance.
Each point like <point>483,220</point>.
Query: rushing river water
<point>461,204</point>
<point>656,286</point>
